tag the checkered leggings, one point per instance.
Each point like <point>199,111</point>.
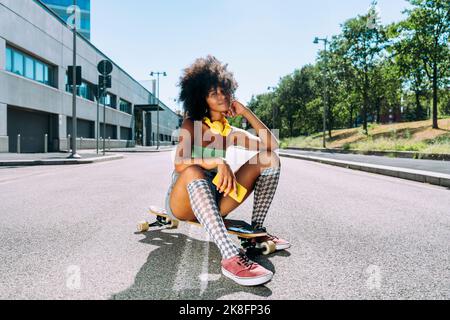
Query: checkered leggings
<point>207,212</point>
<point>265,188</point>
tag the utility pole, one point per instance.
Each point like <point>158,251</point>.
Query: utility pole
<point>97,125</point>
<point>74,154</point>
<point>274,113</point>
<point>157,112</point>
<point>325,108</point>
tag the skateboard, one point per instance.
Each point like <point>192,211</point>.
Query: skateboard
<point>244,231</point>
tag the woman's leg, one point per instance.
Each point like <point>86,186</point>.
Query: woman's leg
<point>260,174</point>
<point>180,203</point>
<point>193,198</point>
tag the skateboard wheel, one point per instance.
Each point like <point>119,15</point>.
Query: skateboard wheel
<point>173,224</point>
<point>268,247</point>
<point>143,226</point>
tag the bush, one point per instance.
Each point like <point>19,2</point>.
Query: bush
<point>346,146</point>
<point>283,145</point>
<point>407,134</point>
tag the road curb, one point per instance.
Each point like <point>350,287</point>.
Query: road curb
<point>56,162</point>
<point>395,154</point>
<point>434,178</point>
<point>140,151</point>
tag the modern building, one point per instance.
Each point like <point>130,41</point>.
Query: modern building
<point>36,48</point>
<point>64,9</point>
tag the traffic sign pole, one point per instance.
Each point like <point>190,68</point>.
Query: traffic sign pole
<point>105,67</point>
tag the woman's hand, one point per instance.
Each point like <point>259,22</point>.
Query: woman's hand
<point>236,109</point>
<point>227,179</point>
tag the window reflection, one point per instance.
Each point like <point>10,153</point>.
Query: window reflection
<point>30,67</point>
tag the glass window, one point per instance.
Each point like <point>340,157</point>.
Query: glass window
<point>125,106</point>
<point>110,100</point>
<point>17,63</point>
<point>67,84</point>
<point>86,91</point>
<point>39,72</point>
<point>85,24</point>
<point>9,58</point>
<point>29,68</point>
<point>106,100</point>
<point>81,90</point>
<point>113,101</point>
<point>46,75</point>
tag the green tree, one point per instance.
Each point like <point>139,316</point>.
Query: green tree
<point>262,105</point>
<point>404,52</point>
<point>386,92</point>
<point>294,92</point>
<point>426,33</point>
<point>342,73</point>
<point>363,44</point>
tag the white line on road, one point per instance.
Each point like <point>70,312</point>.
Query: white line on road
<point>204,276</point>
<point>187,268</point>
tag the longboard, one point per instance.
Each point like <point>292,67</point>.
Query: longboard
<point>244,231</point>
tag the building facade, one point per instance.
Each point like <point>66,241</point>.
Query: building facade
<point>63,8</point>
<point>36,48</point>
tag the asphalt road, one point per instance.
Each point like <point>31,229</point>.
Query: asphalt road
<point>415,164</point>
<point>70,233</point>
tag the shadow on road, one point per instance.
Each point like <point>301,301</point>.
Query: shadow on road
<point>174,271</point>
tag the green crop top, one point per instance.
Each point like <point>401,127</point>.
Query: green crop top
<point>204,152</point>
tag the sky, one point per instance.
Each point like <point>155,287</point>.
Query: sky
<point>260,40</point>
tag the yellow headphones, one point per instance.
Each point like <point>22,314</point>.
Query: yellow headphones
<point>219,127</point>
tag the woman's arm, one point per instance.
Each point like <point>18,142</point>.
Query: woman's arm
<point>183,156</point>
<point>264,140</point>
<point>207,164</point>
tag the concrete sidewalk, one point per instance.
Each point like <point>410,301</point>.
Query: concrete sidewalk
<point>44,159</point>
<point>425,171</point>
<point>142,149</point>
<point>61,158</point>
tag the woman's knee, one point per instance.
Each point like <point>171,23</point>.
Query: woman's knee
<point>193,173</point>
<point>268,159</point>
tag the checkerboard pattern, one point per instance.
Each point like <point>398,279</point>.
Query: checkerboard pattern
<point>207,212</point>
<point>265,188</point>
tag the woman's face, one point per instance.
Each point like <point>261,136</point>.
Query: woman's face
<point>217,101</point>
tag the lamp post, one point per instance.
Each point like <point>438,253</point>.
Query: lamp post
<point>273,109</point>
<point>157,112</point>
<point>325,109</point>
<point>74,154</point>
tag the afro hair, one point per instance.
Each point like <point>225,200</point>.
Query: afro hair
<point>197,81</point>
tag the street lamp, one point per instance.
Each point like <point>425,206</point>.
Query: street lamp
<point>74,154</point>
<point>157,112</point>
<point>273,109</point>
<point>325,42</point>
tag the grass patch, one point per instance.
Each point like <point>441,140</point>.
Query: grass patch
<point>304,142</point>
<point>408,136</point>
<point>389,144</point>
<point>439,145</point>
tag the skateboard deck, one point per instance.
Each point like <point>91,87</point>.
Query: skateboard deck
<point>243,230</point>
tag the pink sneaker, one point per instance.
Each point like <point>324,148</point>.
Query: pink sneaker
<point>279,243</point>
<point>244,271</point>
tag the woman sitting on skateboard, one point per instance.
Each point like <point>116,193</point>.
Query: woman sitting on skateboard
<point>207,88</point>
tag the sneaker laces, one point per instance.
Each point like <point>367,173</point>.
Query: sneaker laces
<point>244,260</point>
